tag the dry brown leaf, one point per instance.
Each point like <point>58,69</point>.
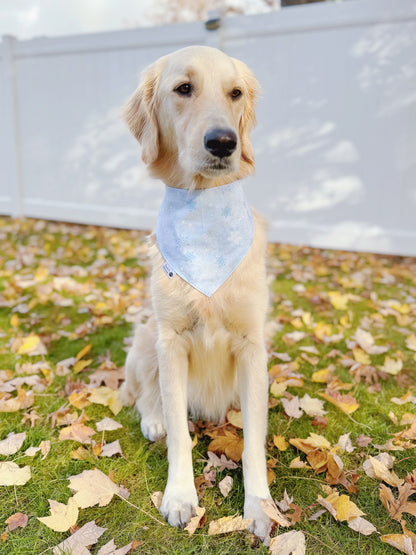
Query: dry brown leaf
<point>62,516</point>
<point>77,432</point>
<point>289,543</point>
<point>396,507</point>
<point>405,542</point>
<point>228,524</point>
<point>84,537</point>
<point>230,444</point>
<point>18,520</point>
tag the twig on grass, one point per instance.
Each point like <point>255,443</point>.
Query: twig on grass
<point>140,509</point>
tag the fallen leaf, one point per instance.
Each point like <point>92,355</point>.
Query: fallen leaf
<point>226,485</point>
<point>31,345</point>
<point>297,463</point>
<point>107,424</point>
<point>84,351</point>
<point>361,525</point>
<point>93,487</point>
<point>77,432</point>
<point>289,543</point>
<point>271,510</point>
<point>235,418</point>
<point>77,543</point>
<point>396,507</point>
<point>312,406</point>
<point>157,498</point>
<point>366,341</point>
<point>18,520</point>
<point>12,475</point>
<point>62,516</point>
<point>12,443</point>
<point>280,442</point>
<point>195,521</point>
<point>108,397</point>
<point>228,524</point>
<point>392,366</point>
<point>363,440</point>
<point>110,449</point>
<point>374,468</point>
<point>346,403</point>
<point>344,508</point>
<point>292,407</point>
<point>230,444</point>
<point>405,542</point>
<point>345,444</point>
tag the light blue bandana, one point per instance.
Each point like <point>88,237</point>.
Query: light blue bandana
<point>204,234</point>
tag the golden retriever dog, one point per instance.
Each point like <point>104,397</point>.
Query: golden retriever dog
<point>192,114</point>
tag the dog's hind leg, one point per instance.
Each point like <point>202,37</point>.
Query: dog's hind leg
<point>141,385</point>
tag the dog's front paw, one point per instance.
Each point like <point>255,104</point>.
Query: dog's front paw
<point>261,524</point>
<point>179,505</point>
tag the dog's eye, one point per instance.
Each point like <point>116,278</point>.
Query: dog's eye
<point>235,93</point>
<point>185,89</point>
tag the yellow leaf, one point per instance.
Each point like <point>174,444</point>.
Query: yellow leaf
<point>322,330</point>
<point>30,343</point>
<point>338,301</point>
<point>280,442</point>
<point>79,399</point>
<point>344,507</point>
<point>62,516</point>
<point>277,389</point>
<point>106,396</point>
<point>361,356</point>
<point>346,403</point>
<point>84,351</point>
<point>14,321</point>
<point>41,273</point>
<point>297,463</point>
<point>80,365</point>
<point>322,376</point>
<point>76,432</point>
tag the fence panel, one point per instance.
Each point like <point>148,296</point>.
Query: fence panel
<point>334,144</point>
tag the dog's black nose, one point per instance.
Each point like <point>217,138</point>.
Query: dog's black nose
<point>220,142</point>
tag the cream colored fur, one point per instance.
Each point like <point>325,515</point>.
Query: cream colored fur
<point>196,353</point>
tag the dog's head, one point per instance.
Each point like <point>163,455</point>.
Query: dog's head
<point>192,113</point>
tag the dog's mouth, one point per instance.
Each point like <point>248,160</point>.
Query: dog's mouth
<point>217,166</point>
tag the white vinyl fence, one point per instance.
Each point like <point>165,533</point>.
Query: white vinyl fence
<point>335,142</point>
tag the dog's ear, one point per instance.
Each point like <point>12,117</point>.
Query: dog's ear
<point>139,112</point>
<point>248,118</point>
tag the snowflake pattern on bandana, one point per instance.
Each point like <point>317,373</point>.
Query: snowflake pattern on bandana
<point>205,234</point>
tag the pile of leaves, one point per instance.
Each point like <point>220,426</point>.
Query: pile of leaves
<point>76,475</point>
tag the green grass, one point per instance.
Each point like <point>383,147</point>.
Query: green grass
<point>105,272</point>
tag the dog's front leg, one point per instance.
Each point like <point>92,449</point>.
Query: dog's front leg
<point>253,380</point>
<point>180,498</point>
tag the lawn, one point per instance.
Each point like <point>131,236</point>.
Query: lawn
<point>342,362</point>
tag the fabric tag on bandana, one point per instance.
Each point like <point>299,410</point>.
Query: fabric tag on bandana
<point>204,234</point>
